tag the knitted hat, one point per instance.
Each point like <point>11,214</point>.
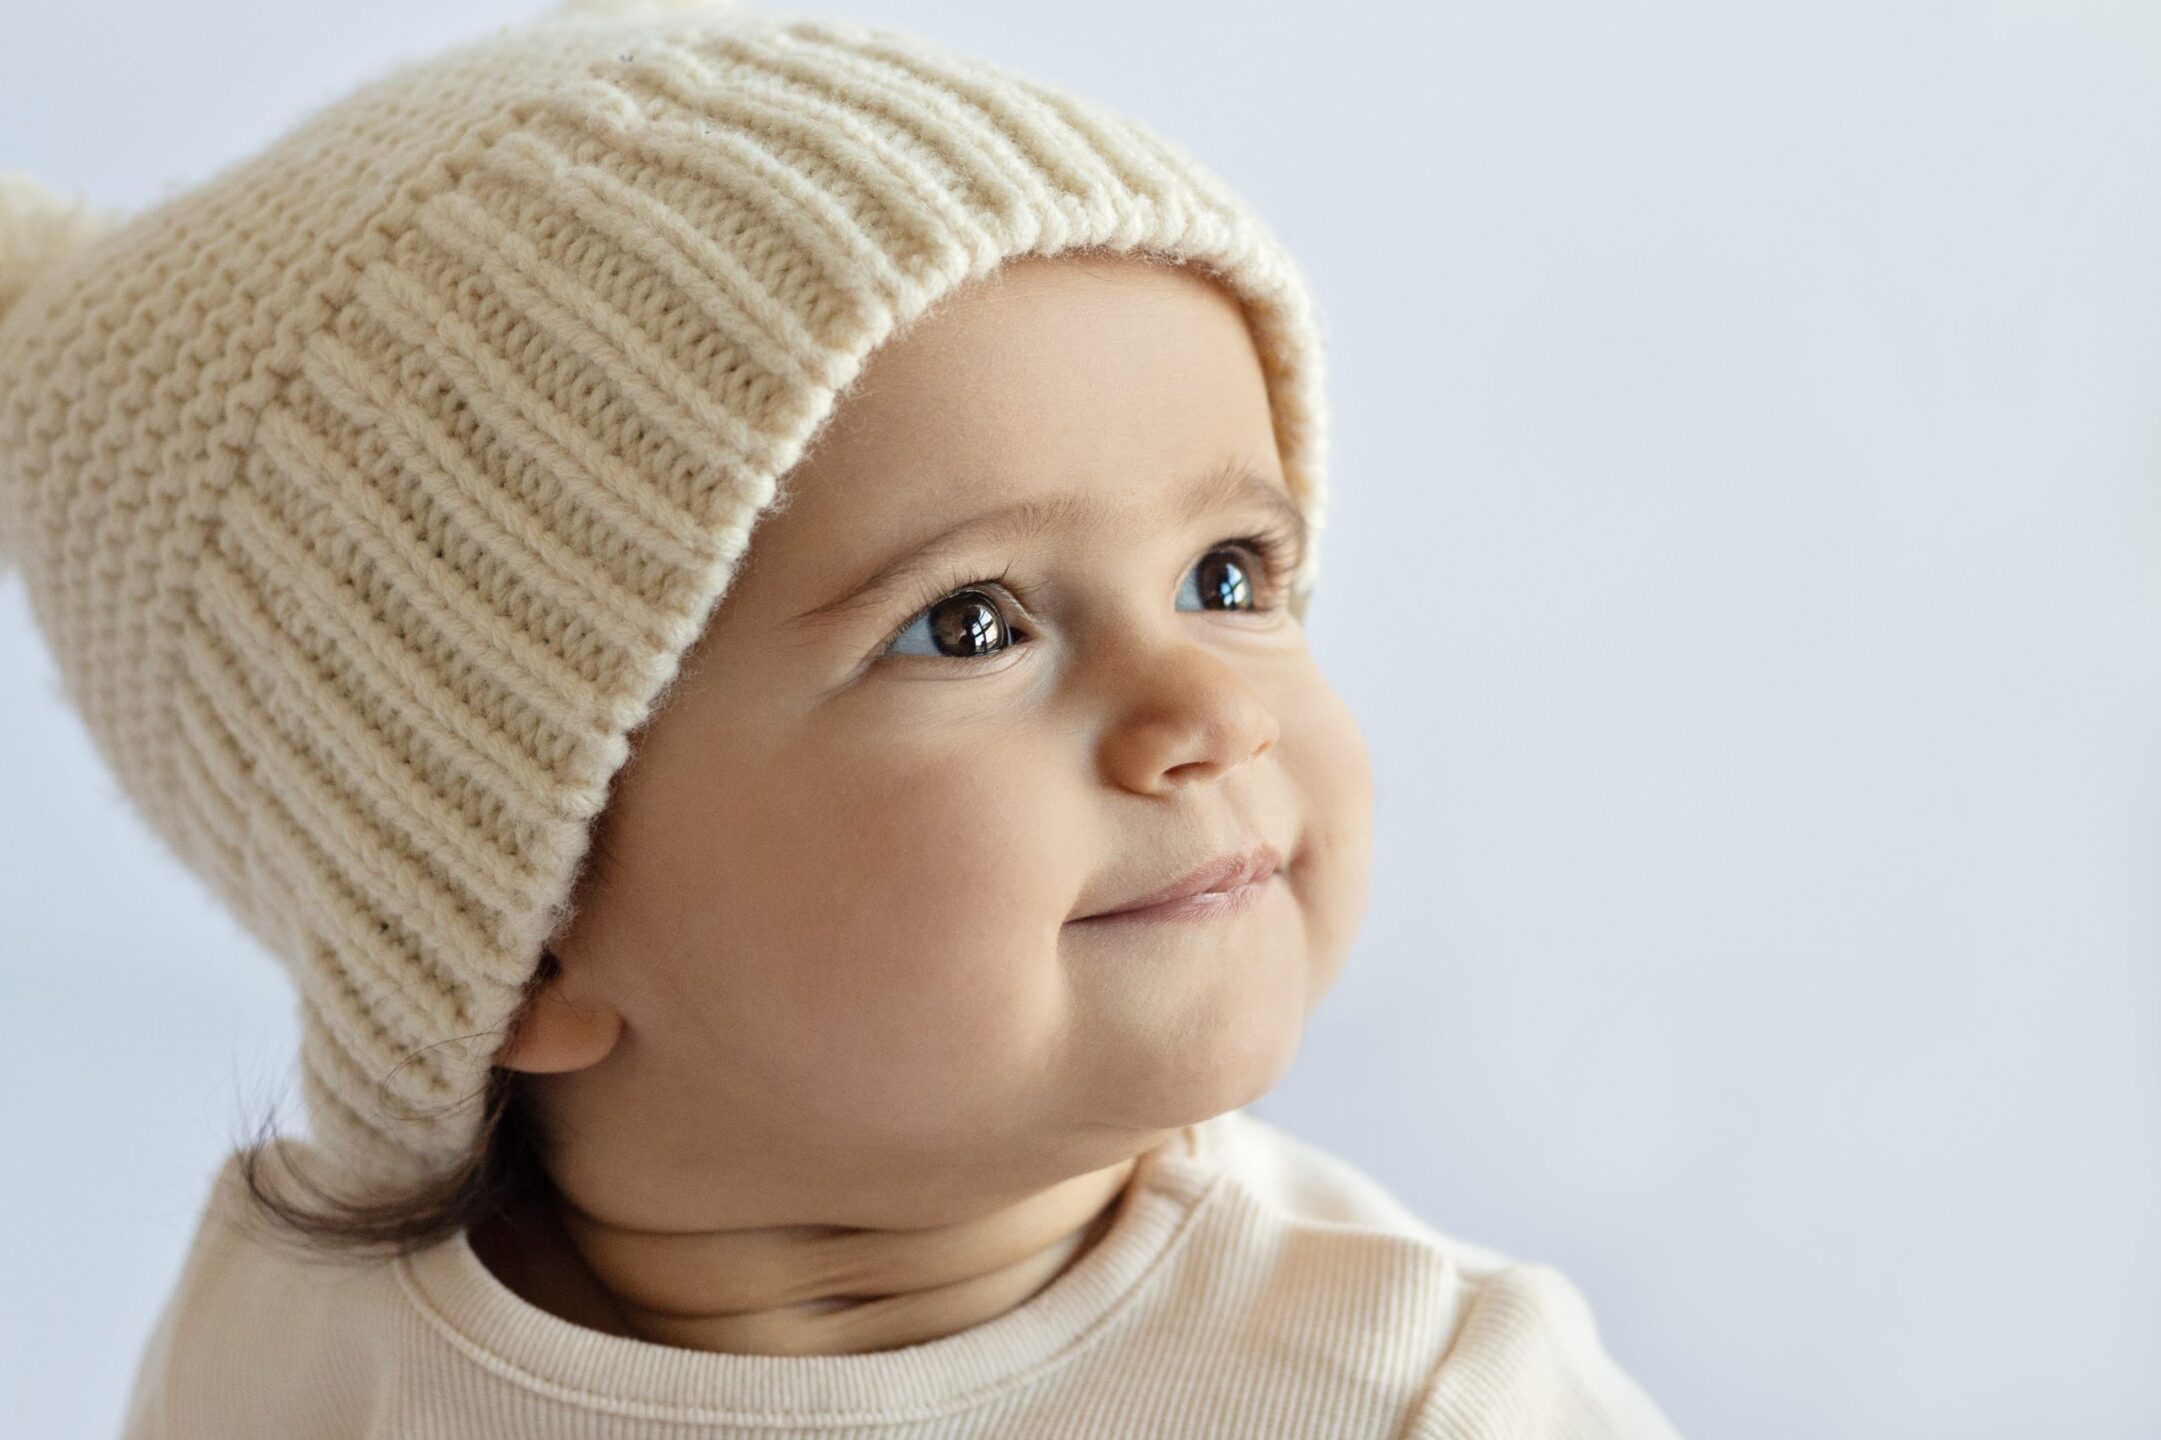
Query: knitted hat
<point>369,493</point>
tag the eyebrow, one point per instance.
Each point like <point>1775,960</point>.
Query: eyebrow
<point>1228,483</point>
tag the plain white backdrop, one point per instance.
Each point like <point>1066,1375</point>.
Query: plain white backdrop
<point>1745,563</point>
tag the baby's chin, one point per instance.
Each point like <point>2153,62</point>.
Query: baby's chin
<point>1189,1065</point>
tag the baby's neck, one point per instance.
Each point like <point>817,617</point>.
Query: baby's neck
<point>797,1290</point>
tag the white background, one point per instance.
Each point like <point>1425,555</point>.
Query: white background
<point>1746,565</point>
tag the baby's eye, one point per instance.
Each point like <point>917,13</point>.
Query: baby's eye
<point>968,624</point>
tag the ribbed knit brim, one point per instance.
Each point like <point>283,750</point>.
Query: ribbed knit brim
<point>369,493</point>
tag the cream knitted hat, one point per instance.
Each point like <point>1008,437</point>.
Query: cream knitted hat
<point>368,494</point>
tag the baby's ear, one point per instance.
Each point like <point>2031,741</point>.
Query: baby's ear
<point>557,1031</point>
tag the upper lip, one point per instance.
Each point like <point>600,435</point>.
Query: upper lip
<point>1249,866</point>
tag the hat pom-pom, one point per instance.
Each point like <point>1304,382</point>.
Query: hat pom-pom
<point>37,228</point>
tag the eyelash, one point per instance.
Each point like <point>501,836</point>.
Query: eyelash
<point>1275,545</point>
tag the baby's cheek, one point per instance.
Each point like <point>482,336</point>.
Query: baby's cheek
<point>916,938</point>
<point>922,1027</point>
<point>1332,768</point>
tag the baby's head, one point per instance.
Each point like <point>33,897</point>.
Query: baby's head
<point>696,555</point>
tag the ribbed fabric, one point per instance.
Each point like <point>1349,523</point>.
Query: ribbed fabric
<point>1250,1285</point>
<point>370,492</point>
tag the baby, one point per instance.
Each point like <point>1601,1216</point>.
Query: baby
<point>728,595</point>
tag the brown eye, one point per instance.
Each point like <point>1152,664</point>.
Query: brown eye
<point>1223,576</point>
<point>966,625</point>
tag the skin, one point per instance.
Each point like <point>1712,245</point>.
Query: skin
<point>828,1066</point>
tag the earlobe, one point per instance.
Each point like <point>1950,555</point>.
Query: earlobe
<point>556,1033</point>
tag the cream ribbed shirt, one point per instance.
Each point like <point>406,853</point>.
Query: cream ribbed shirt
<point>1250,1285</point>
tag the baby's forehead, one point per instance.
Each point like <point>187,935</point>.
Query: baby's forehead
<point>1052,399</point>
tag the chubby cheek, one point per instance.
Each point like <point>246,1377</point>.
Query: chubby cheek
<point>889,935</point>
<point>1331,766</point>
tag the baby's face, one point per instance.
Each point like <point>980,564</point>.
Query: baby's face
<point>837,896</point>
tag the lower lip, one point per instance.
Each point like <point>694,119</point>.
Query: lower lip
<point>1209,904</point>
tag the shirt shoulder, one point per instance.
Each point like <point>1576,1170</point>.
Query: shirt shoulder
<point>1454,1339</point>
<point>257,1337</point>
<point>1306,1185</point>
<point>1528,1361</point>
